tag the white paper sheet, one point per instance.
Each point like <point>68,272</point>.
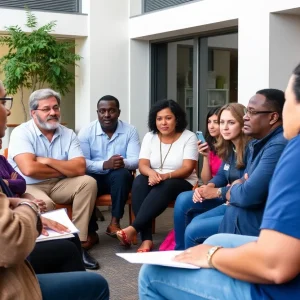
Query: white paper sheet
<point>58,215</point>
<point>161,258</point>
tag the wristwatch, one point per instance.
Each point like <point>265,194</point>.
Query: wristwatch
<point>36,209</point>
<point>219,192</point>
<point>210,254</point>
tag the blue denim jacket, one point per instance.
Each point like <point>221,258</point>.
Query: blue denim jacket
<point>227,173</point>
<point>248,199</point>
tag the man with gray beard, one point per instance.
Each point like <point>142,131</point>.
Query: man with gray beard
<point>49,157</point>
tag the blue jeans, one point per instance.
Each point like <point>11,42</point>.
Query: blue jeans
<point>184,212</point>
<point>161,283</point>
<point>204,226</point>
<point>73,286</point>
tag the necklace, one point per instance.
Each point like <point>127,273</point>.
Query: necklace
<point>233,148</point>
<point>162,161</point>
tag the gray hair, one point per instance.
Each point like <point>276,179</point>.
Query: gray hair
<point>42,94</point>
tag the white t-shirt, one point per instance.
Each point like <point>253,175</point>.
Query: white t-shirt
<point>184,148</point>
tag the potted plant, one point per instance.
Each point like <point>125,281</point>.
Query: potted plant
<point>36,58</point>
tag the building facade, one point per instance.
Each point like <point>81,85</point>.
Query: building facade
<point>201,53</point>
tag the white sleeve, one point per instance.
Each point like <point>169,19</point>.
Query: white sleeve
<point>146,146</point>
<point>191,150</point>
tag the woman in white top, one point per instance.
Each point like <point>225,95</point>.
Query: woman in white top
<point>167,165</point>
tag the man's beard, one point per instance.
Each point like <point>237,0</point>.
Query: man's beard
<point>46,125</point>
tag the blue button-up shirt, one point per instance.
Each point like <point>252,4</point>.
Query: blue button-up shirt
<point>248,199</point>
<point>97,147</point>
<point>27,138</point>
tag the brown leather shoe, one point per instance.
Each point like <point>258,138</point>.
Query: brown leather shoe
<point>112,229</point>
<point>91,241</point>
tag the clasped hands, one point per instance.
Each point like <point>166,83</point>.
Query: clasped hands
<point>115,162</point>
<point>204,192</point>
<point>155,178</point>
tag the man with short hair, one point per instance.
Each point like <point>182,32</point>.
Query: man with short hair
<point>49,157</point>
<point>247,196</point>
<point>111,148</point>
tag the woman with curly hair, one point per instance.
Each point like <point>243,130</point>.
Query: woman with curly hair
<point>167,165</point>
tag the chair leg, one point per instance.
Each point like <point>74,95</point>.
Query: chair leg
<point>153,226</point>
<point>99,215</point>
<point>130,214</point>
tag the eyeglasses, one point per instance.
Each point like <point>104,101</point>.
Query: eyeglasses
<point>251,112</point>
<point>48,109</point>
<point>7,102</point>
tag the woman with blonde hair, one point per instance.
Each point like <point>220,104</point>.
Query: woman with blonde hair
<point>231,148</point>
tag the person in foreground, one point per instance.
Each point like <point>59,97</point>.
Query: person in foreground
<point>167,164</point>
<point>245,267</point>
<point>20,225</point>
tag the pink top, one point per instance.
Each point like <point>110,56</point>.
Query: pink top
<point>214,162</point>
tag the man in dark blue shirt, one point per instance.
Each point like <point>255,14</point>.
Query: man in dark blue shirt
<point>247,196</point>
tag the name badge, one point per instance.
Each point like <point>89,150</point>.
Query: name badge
<point>226,167</point>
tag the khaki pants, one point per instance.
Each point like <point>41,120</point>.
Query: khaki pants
<point>80,191</point>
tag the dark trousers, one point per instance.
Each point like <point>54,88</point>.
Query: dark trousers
<point>149,202</point>
<point>73,286</point>
<point>56,256</point>
<point>118,184</point>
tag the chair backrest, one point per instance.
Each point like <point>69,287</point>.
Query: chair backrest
<point>5,153</point>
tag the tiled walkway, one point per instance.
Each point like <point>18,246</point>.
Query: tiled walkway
<point>122,276</point>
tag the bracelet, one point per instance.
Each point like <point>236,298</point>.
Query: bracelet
<point>32,205</point>
<point>170,175</point>
<point>210,254</point>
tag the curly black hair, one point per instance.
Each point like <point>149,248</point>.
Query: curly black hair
<point>179,113</point>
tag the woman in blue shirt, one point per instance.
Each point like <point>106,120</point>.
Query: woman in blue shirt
<point>230,147</point>
<point>244,267</point>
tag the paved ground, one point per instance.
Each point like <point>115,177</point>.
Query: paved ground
<point>122,276</point>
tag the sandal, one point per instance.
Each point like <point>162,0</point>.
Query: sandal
<point>143,250</point>
<point>123,238</point>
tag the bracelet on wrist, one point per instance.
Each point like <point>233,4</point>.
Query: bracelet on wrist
<point>210,254</point>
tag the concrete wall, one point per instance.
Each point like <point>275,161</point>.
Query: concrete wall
<point>284,48</point>
<point>104,69</point>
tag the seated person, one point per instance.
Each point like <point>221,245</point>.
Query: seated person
<point>211,161</point>
<point>231,148</point>
<point>111,149</point>
<point>49,158</point>
<point>245,267</point>
<point>20,217</point>
<point>44,258</point>
<point>247,196</point>
<point>167,164</point>
<point>210,166</point>
<point>20,225</point>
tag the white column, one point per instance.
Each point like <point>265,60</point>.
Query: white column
<point>254,51</point>
<point>284,48</point>
<point>104,67</point>
<point>139,85</point>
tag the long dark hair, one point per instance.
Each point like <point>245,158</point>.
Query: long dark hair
<point>210,139</point>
